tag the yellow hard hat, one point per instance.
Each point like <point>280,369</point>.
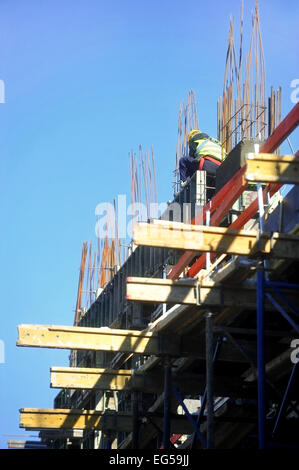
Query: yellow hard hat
<point>191,133</point>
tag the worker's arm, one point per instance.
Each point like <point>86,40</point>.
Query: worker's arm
<point>187,167</point>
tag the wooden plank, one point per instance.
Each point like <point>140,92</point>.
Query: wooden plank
<point>31,418</point>
<point>271,168</point>
<point>200,238</point>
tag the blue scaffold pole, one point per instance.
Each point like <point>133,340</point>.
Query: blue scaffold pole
<point>260,331</point>
<point>261,356</point>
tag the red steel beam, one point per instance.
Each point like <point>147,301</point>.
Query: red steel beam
<point>223,200</point>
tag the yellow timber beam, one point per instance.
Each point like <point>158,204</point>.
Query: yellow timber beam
<point>271,168</point>
<point>144,342</point>
<point>104,379</point>
<point>17,444</point>
<point>204,293</point>
<point>96,339</point>
<point>149,289</point>
<point>150,382</point>
<point>36,418</point>
<point>200,238</point>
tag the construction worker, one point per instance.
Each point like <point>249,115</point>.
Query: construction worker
<point>205,153</point>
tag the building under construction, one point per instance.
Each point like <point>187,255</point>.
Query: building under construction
<point>188,335</point>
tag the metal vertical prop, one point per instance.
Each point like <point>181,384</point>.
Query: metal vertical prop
<point>261,355</point>
<point>204,396</point>
<point>210,380</point>
<point>261,326</point>
<point>167,402</point>
<point>135,433</point>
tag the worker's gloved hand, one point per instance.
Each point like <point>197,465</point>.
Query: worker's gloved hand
<point>184,183</point>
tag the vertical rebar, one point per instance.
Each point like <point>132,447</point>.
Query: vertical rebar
<point>269,116</point>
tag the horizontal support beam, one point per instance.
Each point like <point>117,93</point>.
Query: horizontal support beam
<point>103,379</point>
<point>96,339</point>
<point>210,295</point>
<point>21,444</point>
<point>144,342</point>
<point>184,292</point>
<point>200,238</point>
<point>36,418</point>
<point>54,434</point>
<point>271,168</point>
<point>151,382</point>
<point>148,289</point>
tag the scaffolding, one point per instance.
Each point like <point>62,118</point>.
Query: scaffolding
<point>223,339</point>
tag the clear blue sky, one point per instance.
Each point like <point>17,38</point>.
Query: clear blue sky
<point>86,81</point>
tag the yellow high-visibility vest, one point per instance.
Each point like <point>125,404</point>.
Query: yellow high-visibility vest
<point>209,147</point>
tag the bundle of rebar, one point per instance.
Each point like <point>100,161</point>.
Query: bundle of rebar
<point>143,183</point>
<point>80,283</point>
<point>242,109</point>
<point>98,266</point>
<point>188,120</point>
